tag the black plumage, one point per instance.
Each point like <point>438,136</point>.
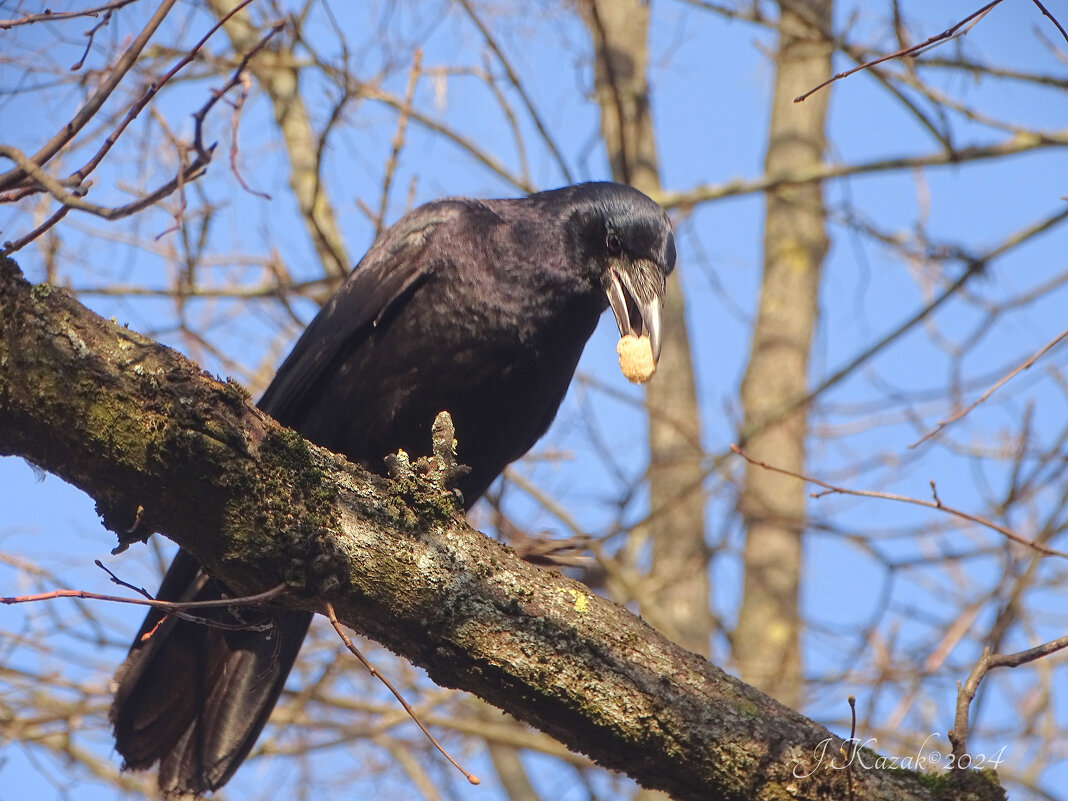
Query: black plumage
<point>478,307</point>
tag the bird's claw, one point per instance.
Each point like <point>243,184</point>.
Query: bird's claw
<point>441,468</point>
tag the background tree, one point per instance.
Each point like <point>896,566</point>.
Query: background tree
<point>939,190</point>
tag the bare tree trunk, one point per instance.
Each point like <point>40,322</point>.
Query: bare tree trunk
<point>619,29</point>
<point>766,640</point>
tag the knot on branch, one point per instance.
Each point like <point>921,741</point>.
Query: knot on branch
<point>314,560</point>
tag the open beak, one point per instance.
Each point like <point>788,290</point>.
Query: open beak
<point>636,294</point>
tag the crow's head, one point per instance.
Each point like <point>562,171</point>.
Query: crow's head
<point>627,249</point>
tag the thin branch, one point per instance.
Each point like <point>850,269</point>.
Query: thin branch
<point>168,606</point>
<point>12,178</point>
<point>514,79</point>
<point>235,79</point>
<point>396,694</point>
<point>90,36</point>
<point>235,123</point>
<point>272,289</point>
<point>195,169</point>
<point>832,489</point>
<point>509,115</point>
<point>57,190</point>
<point>21,242</point>
<point>179,609</point>
<point>154,88</point>
<point>57,16</point>
<point>485,158</point>
<point>958,736</point>
<point>1052,18</point>
<point>399,136</point>
<point>1000,383</point>
<point>949,33</point>
<point>990,71</point>
<point>975,267</point>
<point>1020,143</point>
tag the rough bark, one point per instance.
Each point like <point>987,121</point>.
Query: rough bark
<point>136,425</point>
<point>620,30</point>
<point>766,640</point>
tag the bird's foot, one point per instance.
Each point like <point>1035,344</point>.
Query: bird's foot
<point>441,468</point>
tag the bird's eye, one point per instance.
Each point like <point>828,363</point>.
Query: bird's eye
<point>615,247</point>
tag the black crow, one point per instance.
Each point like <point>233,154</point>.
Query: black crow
<point>478,307</point>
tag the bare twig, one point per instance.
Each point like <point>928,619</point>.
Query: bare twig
<point>975,267</point>
<point>235,79</point>
<point>21,242</point>
<point>168,606</point>
<point>514,80</point>
<point>278,288</point>
<point>90,35</point>
<point>831,489</point>
<point>396,694</point>
<point>12,178</point>
<point>71,197</point>
<point>235,121</point>
<point>60,193</point>
<point>949,33</point>
<point>468,145</point>
<point>1052,18</point>
<point>998,385</point>
<point>509,115</point>
<point>398,137</point>
<point>57,16</point>
<point>179,609</point>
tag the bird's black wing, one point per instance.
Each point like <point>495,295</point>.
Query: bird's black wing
<point>479,307</point>
<point>194,696</point>
<point>398,262</point>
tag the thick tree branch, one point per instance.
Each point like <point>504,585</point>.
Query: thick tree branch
<point>135,424</point>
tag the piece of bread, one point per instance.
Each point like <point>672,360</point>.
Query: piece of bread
<point>636,358</point>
